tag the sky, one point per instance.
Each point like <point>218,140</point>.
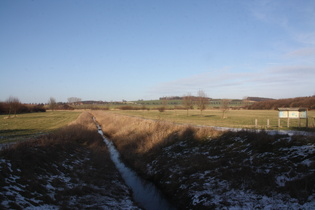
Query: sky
<point>113,50</point>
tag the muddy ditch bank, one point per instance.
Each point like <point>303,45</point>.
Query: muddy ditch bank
<point>202,168</point>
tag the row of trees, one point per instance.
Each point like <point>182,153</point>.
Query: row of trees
<point>54,105</point>
<point>13,106</point>
<point>306,102</point>
<point>202,100</point>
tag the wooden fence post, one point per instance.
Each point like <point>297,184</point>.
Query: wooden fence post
<point>279,123</point>
<point>288,122</point>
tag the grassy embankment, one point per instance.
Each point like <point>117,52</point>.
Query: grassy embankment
<point>234,118</point>
<point>198,167</point>
<point>68,168</point>
<point>27,125</point>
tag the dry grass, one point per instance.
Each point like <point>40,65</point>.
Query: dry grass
<point>138,140</point>
<point>147,134</point>
<point>213,117</point>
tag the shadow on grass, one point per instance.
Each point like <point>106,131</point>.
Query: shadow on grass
<point>210,115</point>
<point>303,129</point>
<point>13,131</point>
<point>16,133</point>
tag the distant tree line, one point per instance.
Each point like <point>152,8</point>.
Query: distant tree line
<point>257,99</point>
<point>13,106</point>
<point>306,102</point>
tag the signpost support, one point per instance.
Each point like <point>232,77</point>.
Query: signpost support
<point>279,123</point>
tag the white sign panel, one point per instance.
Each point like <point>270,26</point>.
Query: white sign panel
<point>283,114</point>
<point>303,114</point>
<point>294,114</point>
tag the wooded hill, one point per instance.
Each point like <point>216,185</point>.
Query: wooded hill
<point>307,102</point>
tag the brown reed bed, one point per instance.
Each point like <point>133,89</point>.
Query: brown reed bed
<point>136,137</point>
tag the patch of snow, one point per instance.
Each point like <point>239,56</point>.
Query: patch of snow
<point>41,207</point>
<point>307,162</point>
<point>301,151</point>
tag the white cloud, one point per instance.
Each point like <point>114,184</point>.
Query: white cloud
<point>305,37</point>
<point>295,18</point>
<point>271,82</point>
<point>302,52</point>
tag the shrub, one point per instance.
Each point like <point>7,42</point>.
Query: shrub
<point>129,108</point>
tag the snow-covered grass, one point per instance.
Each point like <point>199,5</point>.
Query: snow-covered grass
<point>201,168</point>
<point>236,171</point>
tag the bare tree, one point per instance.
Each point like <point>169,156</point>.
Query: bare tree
<point>14,105</point>
<point>164,102</point>
<point>202,101</point>
<point>52,103</point>
<point>188,102</point>
<point>224,107</point>
<point>73,100</point>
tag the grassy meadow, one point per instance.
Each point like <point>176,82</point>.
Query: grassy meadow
<point>214,117</point>
<point>27,125</point>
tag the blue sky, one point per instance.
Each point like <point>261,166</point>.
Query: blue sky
<point>112,50</point>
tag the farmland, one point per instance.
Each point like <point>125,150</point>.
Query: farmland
<point>27,125</point>
<point>213,117</point>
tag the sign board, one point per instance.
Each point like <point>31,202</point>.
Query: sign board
<point>293,113</point>
<point>303,114</point>
<point>283,114</point>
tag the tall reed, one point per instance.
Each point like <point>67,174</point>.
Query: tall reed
<point>138,138</point>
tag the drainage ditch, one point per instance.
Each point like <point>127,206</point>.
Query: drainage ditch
<point>144,192</point>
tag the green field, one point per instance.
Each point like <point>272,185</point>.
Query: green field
<point>234,118</point>
<point>26,125</point>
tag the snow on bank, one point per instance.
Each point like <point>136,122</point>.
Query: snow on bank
<point>271,132</point>
<point>64,184</point>
<point>239,172</point>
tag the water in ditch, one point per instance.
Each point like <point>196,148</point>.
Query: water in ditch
<point>144,192</point>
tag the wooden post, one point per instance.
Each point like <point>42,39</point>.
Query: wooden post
<point>279,123</point>
<point>299,122</point>
<point>307,122</point>
<point>288,122</point>
<point>256,123</point>
<point>268,125</point>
